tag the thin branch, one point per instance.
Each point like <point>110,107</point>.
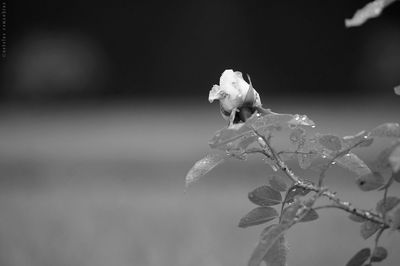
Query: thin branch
<point>264,143</point>
<point>366,215</point>
<point>347,206</point>
<point>376,242</point>
<point>296,152</point>
<point>331,206</point>
<point>344,205</point>
<point>386,189</point>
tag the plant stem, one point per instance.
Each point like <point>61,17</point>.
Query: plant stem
<point>386,189</point>
<point>271,154</point>
<point>344,205</point>
<point>367,215</point>
<point>376,242</point>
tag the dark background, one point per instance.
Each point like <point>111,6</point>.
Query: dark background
<point>150,49</point>
<point>104,108</point>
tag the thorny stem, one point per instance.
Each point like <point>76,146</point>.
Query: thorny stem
<point>384,200</point>
<point>271,154</point>
<point>367,215</point>
<point>386,189</point>
<point>321,191</point>
<point>296,152</point>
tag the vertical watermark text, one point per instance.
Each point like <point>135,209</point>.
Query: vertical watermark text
<point>3,29</point>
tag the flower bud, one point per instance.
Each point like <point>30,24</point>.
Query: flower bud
<point>233,92</point>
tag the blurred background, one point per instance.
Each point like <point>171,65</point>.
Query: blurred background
<point>103,110</point>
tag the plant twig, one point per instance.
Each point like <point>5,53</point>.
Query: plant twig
<point>344,205</point>
<point>366,215</point>
<point>296,152</point>
<point>376,242</point>
<point>264,143</point>
<point>386,189</point>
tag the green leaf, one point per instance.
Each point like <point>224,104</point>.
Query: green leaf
<point>276,255</point>
<point>370,182</point>
<point>379,254</point>
<point>297,135</point>
<point>287,156</point>
<point>289,213</point>
<point>246,141</point>
<point>371,10</point>
<point>368,228</point>
<point>295,192</point>
<point>388,130</point>
<point>382,163</point>
<point>265,196</point>
<point>360,257</point>
<point>351,162</point>
<point>384,206</point>
<point>310,216</point>
<point>396,177</point>
<point>330,142</point>
<point>305,159</point>
<point>267,122</point>
<point>356,218</point>
<point>394,159</point>
<point>300,120</point>
<point>258,216</point>
<point>361,139</point>
<point>203,166</point>
<point>225,136</point>
<point>267,240</point>
<point>250,98</point>
<point>394,219</point>
<point>278,184</point>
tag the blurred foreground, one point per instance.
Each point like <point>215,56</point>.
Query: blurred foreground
<point>104,186</point>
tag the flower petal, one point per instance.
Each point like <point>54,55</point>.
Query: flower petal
<point>233,93</point>
<point>215,94</point>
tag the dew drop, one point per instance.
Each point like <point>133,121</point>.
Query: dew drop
<point>274,167</point>
<point>323,156</point>
<point>313,126</point>
<point>333,163</point>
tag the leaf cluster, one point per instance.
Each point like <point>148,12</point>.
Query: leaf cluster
<point>281,203</point>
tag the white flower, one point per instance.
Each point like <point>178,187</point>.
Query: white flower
<point>233,92</point>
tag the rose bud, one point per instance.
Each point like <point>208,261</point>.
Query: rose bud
<point>238,99</point>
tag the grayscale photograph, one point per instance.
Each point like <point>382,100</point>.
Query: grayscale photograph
<point>199,133</point>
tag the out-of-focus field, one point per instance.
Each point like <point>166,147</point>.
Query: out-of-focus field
<point>102,186</point>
